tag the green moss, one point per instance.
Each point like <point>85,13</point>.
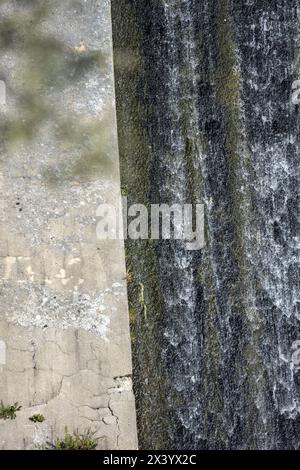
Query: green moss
<point>227,80</point>
<point>211,349</point>
<point>136,157</point>
<point>129,276</point>
<point>142,299</point>
<point>124,191</point>
<point>193,148</point>
<point>37,418</point>
<point>133,336</point>
<point>132,315</point>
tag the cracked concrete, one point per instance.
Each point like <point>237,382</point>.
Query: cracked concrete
<point>62,375</point>
<point>64,329</point>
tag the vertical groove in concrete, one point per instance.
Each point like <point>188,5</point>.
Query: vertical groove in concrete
<point>64,334</point>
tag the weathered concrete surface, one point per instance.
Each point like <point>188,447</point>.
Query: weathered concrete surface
<point>64,334</point>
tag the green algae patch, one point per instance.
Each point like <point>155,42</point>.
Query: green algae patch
<point>227,80</point>
<point>37,418</point>
<point>136,160</point>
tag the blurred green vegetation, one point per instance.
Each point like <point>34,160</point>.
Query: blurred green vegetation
<point>48,66</point>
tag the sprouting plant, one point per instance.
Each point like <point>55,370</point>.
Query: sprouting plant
<point>37,418</point>
<point>76,441</point>
<point>10,411</point>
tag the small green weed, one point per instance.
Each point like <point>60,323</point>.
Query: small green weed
<point>76,441</point>
<point>10,411</point>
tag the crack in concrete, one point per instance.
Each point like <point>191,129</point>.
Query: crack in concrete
<point>117,422</point>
